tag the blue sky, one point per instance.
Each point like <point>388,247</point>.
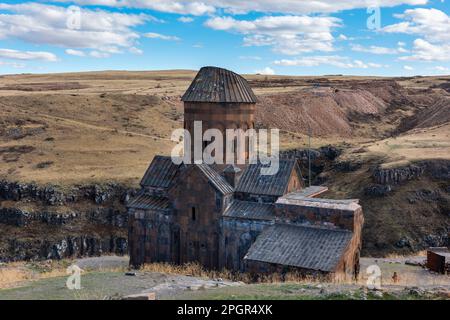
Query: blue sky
<point>292,37</point>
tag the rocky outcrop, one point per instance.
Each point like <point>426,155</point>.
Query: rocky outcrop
<point>90,220</point>
<point>397,175</point>
<point>77,246</point>
<point>109,217</point>
<point>436,169</point>
<point>19,217</point>
<point>51,195</point>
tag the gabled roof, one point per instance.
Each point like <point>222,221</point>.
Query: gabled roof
<point>219,85</point>
<point>250,210</point>
<point>145,201</point>
<point>160,172</point>
<point>252,181</point>
<point>215,178</point>
<point>300,246</point>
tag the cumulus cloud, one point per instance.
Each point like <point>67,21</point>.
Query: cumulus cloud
<point>77,53</point>
<point>433,27</point>
<point>285,34</point>
<point>408,68</point>
<point>195,8</point>
<point>336,61</point>
<point>266,71</point>
<point>55,25</point>
<point>425,51</point>
<point>27,55</point>
<point>432,24</point>
<point>154,35</point>
<point>377,49</point>
<point>239,7</point>
<point>98,54</point>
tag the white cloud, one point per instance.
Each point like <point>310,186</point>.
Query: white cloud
<point>185,19</point>
<point>408,68</point>
<point>135,50</point>
<point>286,34</point>
<point>432,24</point>
<point>238,7</point>
<point>336,61</point>
<point>195,8</point>
<point>266,71</point>
<point>73,52</point>
<point>154,35</point>
<point>425,51</point>
<point>27,55</point>
<point>99,54</point>
<point>377,49</point>
<point>47,24</point>
<point>433,27</point>
<point>342,37</point>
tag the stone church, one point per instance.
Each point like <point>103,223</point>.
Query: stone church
<point>231,216</point>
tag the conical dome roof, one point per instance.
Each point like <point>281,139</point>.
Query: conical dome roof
<point>219,85</point>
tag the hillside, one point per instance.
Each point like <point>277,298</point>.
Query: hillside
<point>95,129</point>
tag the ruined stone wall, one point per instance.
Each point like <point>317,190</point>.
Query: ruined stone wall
<point>237,237</point>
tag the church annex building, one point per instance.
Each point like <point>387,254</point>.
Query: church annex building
<point>231,216</point>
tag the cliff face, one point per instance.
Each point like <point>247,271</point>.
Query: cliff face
<point>49,222</point>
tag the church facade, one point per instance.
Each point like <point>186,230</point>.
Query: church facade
<point>231,216</point>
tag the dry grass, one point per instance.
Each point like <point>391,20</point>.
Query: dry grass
<point>196,270</point>
<point>9,277</point>
<point>16,273</point>
<point>420,144</point>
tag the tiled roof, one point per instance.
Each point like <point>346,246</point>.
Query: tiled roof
<point>215,178</point>
<point>300,246</point>
<point>219,85</point>
<point>252,181</point>
<point>145,201</point>
<point>160,173</point>
<point>250,210</point>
